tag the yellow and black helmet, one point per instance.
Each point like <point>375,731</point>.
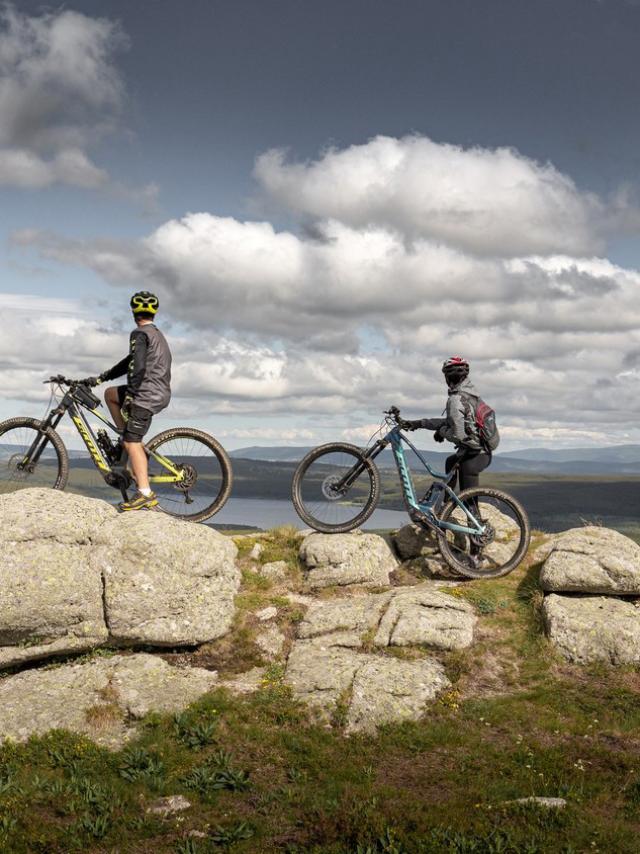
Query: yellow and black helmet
<point>144,302</point>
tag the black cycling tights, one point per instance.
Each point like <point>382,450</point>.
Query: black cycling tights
<point>469,470</point>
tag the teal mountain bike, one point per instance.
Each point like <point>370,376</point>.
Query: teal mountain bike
<point>189,470</point>
<point>481,533</point>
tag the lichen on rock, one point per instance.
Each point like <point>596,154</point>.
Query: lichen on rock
<point>347,559</point>
<point>102,698</point>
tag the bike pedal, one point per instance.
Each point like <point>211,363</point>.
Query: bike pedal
<point>421,518</point>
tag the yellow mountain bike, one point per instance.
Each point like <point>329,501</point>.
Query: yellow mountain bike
<point>189,470</point>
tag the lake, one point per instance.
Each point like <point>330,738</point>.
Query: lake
<point>268,513</point>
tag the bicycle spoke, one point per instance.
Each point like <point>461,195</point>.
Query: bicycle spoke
<point>205,474</point>
<point>15,443</point>
<point>333,489</point>
<point>500,545</point>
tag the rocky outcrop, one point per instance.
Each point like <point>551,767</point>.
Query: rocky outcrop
<point>344,559</point>
<point>374,689</point>
<point>50,595</point>
<point>388,689</point>
<point>592,560</point>
<point>405,616</point>
<point>74,574</point>
<point>333,661</point>
<point>102,699</point>
<point>320,675</point>
<point>275,571</point>
<point>270,641</point>
<point>585,627</point>
<point>166,582</point>
<point>411,541</point>
<point>593,628</point>
<point>415,544</point>
<point>422,616</point>
<point>344,622</point>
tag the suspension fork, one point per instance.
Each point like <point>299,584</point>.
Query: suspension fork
<point>32,457</point>
<point>354,473</point>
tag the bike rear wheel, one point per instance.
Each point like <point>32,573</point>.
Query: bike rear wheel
<point>319,499</point>
<point>504,543</point>
<point>208,476</point>
<point>50,470</point>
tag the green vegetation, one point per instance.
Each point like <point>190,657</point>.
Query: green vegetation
<point>264,775</point>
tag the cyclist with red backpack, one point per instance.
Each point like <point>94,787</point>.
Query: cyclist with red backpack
<point>469,424</point>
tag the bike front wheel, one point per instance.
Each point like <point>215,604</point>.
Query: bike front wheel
<point>47,467</point>
<point>335,488</point>
<point>205,470</point>
<point>502,546</point>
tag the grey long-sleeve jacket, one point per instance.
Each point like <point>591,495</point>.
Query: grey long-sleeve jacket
<point>459,426</point>
<point>147,367</point>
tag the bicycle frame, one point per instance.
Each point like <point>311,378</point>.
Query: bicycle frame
<point>425,510</point>
<point>74,407</point>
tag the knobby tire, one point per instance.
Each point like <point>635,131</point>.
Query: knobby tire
<point>52,437</point>
<point>525,535</point>
<point>303,466</point>
<point>222,457</point>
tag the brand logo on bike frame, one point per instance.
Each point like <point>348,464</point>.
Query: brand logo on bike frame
<point>401,462</point>
<point>87,438</point>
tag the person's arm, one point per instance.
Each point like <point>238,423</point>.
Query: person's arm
<point>435,424</point>
<point>432,423</point>
<point>116,371</point>
<point>137,362</point>
<point>454,429</point>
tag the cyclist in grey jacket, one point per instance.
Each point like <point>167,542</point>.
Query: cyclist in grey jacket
<point>459,425</point>
<point>147,367</point>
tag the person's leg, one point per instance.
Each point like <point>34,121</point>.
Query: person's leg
<point>470,479</point>
<point>112,397</point>
<point>449,464</point>
<point>139,464</point>
<point>138,422</point>
<point>470,469</point>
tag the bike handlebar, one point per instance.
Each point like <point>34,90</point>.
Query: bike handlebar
<point>393,412</point>
<point>58,379</point>
<point>62,380</point>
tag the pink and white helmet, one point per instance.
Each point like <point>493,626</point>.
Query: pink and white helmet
<point>455,367</point>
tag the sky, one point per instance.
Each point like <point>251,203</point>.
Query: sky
<point>329,199</point>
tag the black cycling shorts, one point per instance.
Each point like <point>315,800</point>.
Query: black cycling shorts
<point>137,418</point>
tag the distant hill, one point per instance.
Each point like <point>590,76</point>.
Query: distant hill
<point>609,453</point>
<point>7,451</point>
<point>610,460</point>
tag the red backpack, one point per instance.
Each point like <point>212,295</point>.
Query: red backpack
<point>484,418</point>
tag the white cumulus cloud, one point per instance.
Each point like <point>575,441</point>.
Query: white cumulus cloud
<point>489,201</point>
<point>357,312</point>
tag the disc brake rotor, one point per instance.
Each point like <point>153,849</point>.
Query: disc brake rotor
<point>13,462</point>
<point>330,487</point>
<point>189,477</point>
<point>487,537</point>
